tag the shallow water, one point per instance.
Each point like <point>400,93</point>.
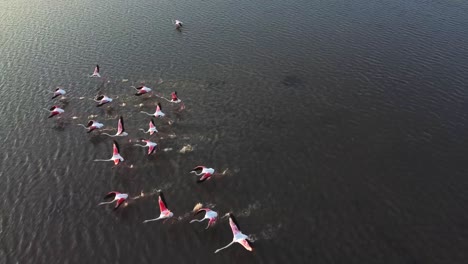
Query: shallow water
<point>341,125</point>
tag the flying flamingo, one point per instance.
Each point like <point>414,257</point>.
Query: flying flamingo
<point>102,100</point>
<point>152,128</point>
<point>178,24</point>
<point>165,213</point>
<point>120,129</point>
<point>205,173</point>
<point>96,72</point>
<point>211,215</point>
<point>119,197</point>
<point>58,92</point>
<point>175,100</point>
<point>142,90</point>
<point>92,125</point>
<point>151,146</point>
<point>116,158</point>
<point>157,113</point>
<point>238,236</point>
<point>55,110</point>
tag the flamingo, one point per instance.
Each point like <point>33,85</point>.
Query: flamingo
<point>165,213</point>
<point>239,237</point>
<point>151,146</point>
<point>92,125</point>
<point>58,92</point>
<point>120,129</point>
<point>157,113</point>
<point>205,173</point>
<point>96,72</point>
<point>142,90</point>
<point>55,110</point>
<point>102,100</point>
<point>119,197</point>
<point>211,215</point>
<point>116,158</point>
<point>178,24</point>
<point>152,128</point>
<point>174,99</point>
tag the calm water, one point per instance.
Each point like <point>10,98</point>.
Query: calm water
<point>343,126</point>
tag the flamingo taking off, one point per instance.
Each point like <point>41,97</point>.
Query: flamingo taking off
<point>157,113</point>
<point>120,129</point>
<point>151,146</point>
<point>92,125</point>
<point>102,100</point>
<point>58,92</point>
<point>152,128</point>
<point>211,215</point>
<point>238,236</point>
<point>165,213</point>
<point>142,90</point>
<point>96,72</point>
<point>55,110</point>
<point>205,173</point>
<point>116,158</point>
<point>119,197</point>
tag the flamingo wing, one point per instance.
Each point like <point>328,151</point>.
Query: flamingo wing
<point>162,202</point>
<point>151,149</point>
<point>198,169</point>
<point>120,126</point>
<point>204,177</point>
<point>233,224</point>
<point>111,195</point>
<point>115,147</point>
<point>245,244</point>
<point>119,202</point>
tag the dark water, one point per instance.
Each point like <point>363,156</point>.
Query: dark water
<point>342,125</point>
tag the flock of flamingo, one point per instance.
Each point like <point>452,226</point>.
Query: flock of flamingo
<point>205,173</point>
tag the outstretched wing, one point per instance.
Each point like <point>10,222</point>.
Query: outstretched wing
<point>162,202</point>
<point>233,224</point>
<point>115,148</point>
<point>120,126</point>
<point>204,177</point>
<point>198,169</point>
<point>119,202</point>
<point>111,195</point>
